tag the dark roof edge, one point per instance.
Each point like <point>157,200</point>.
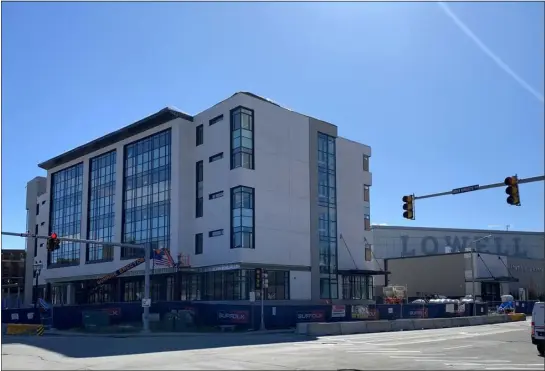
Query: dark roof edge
<point>161,117</point>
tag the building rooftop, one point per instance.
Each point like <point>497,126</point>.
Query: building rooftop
<point>163,116</point>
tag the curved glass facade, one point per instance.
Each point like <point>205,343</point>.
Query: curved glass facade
<point>146,193</point>
<point>65,214</point>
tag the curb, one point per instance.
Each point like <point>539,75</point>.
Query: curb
<point>165,334</point>
<point>365,327</point>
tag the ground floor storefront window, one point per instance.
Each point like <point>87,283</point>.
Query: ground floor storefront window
<point>358,287</point>
<point>207,286</point>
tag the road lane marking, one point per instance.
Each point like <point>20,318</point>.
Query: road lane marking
<point>432,340</point>
<point>383,351</point>
<point>533,367</point>
<point>491,362</point>
<point>459,347</point>
<point>436,356</point>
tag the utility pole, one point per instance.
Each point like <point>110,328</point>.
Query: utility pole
<point>147,251</point>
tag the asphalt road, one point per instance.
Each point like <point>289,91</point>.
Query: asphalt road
<point>491,347</point>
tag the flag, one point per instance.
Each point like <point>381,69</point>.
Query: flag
<point>162,257</point>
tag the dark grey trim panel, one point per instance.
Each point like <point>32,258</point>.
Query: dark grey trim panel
<point>163,116</point>
<point>315,126</point>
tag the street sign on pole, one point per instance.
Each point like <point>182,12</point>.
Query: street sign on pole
<point>456,191</point>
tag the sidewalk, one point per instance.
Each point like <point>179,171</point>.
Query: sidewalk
<point>162,334</point>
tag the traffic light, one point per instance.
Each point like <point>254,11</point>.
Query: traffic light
<point>265,280</point>
<point>512,183</point>
<point>408,206</point>
<point>53,242</point>
<point>258,272</point>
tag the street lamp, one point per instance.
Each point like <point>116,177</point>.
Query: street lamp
<point>471,249</point>
<point>37,270</point>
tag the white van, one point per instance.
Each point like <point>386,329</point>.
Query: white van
<point>538,327</point>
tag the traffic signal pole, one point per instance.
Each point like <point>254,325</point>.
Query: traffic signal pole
<point>146,248</point>
<point>477,187</point>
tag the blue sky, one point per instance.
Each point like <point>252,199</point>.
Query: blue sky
<point>402,77</point>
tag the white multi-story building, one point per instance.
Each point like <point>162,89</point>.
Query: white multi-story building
<point>244,184</point>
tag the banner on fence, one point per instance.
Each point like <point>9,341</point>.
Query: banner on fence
<point>338,311</point>
<point>311,316</point>
<point>363,312</point>
<point>418,313</point>
<point>234,316</point>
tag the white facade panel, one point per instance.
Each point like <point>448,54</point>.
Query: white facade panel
<point>351,207</point>
<point>281,183</point>
<point>300,285</point>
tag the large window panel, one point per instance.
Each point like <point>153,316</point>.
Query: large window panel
<point>65,214</point>
<point>199,177</point>
<point>146,193</point>
<point>279,285</point>
<point>242,138</point>
<point>242,218</point>
<point>358,287</point>
<point>101,216</point>
<point>327,219</point>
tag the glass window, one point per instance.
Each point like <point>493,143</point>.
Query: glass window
<point>133,291</point>
<point>328,288</point>
<point>215,195</point>
<point>216,233</point>
<point>36,242</point>
<point>327,221</point>
<point>146,198</point>
<point>104,294</point>
<point>216,157</point>
<point>65,213</point>
<point>242,217</point>
<point>198,244</point>
<point>199,135</point>
<point>358,287</point>
<point>365,163</point>
<point>101,212</point>
<point>215,120</point>
<point>367,222</point>
<point>279,285</point>
<point>366,197</point>
<point>242,138</point>
<point>199,175</point>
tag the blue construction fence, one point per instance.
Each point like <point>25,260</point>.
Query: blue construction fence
<point>249,316</point>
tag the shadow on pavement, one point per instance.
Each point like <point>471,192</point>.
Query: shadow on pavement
<point>87,347</point>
